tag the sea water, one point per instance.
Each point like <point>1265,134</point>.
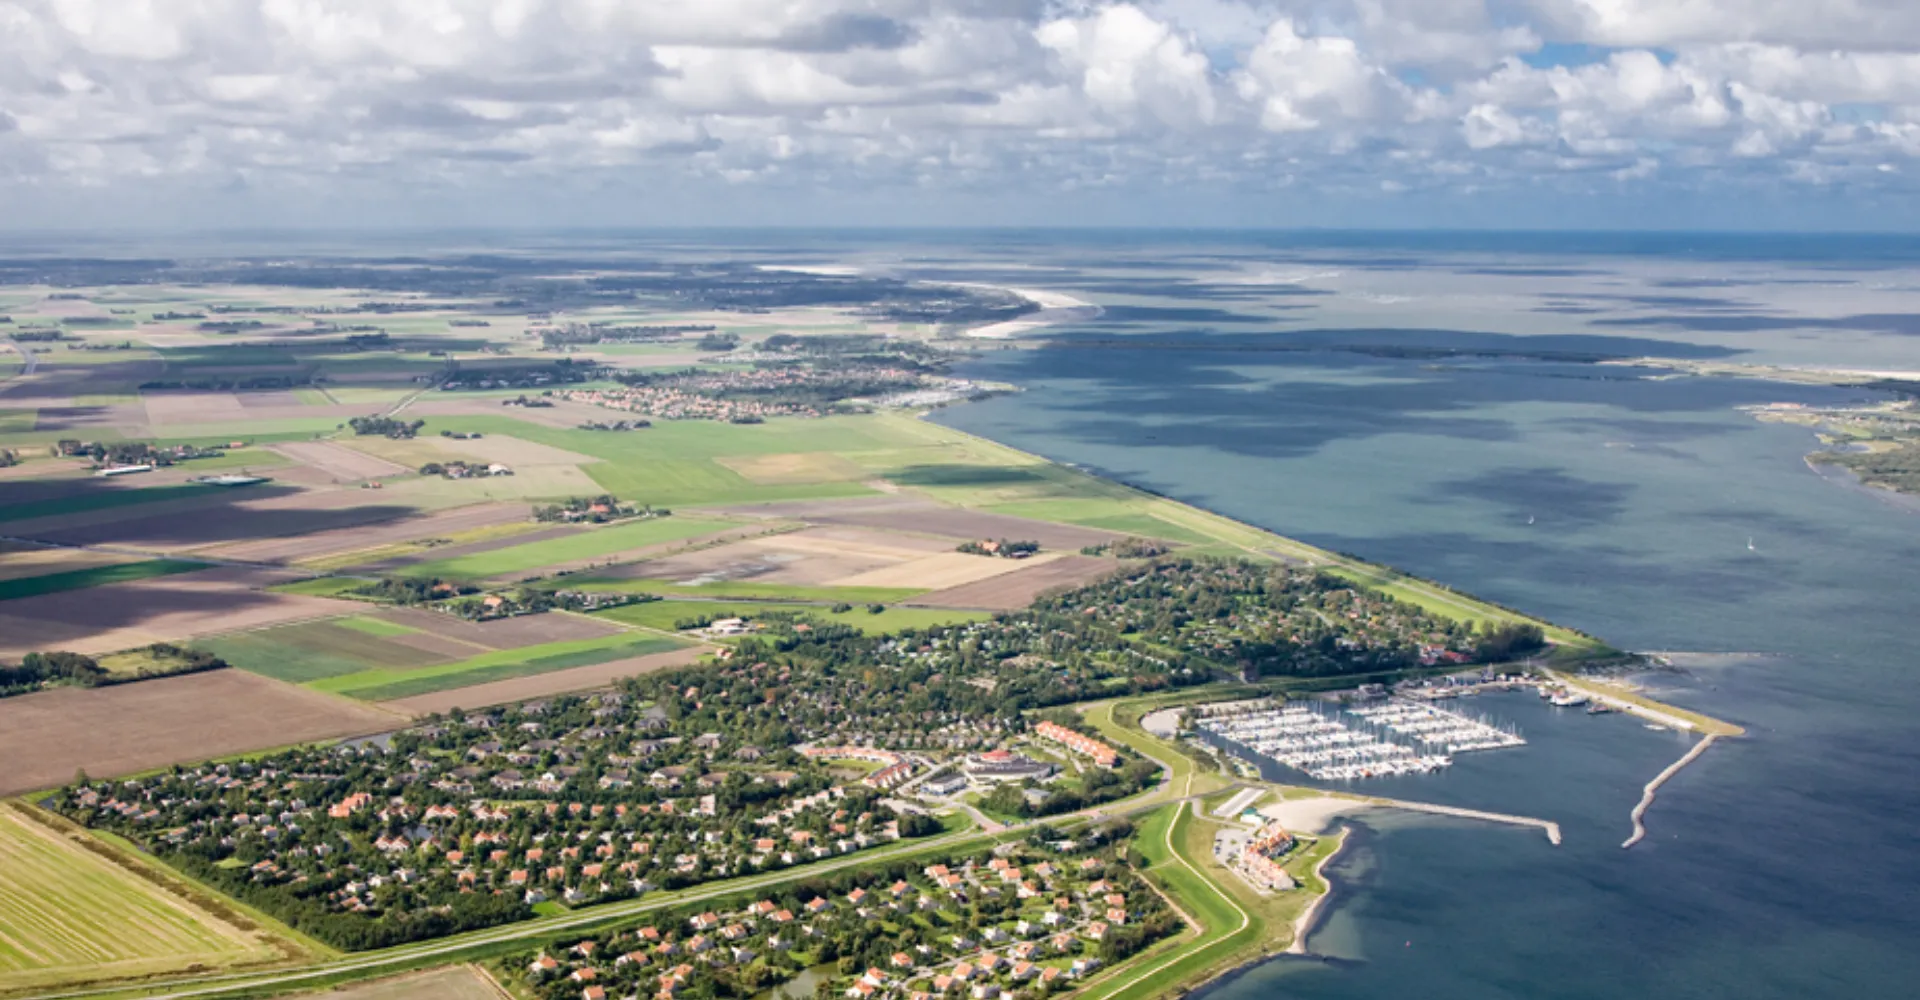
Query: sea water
<point>1783,864</point>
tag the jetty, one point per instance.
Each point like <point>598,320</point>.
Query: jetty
<point>1639,813</point>
<point>1548,826</point>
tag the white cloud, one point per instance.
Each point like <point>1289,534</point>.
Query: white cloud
<point>855,95</point>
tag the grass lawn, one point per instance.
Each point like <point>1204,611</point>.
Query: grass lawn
<point>70,916</point>
<point>589,544</point>
<point>106,499</point>
<point>97,576</point>
<point>388,684</point>
<point>663,614</point>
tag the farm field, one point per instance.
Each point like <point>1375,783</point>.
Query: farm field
<point>591,543</point>
<point>1017,589</point>
<point>164,609</point>
<point>665,614</point>
<point>747,590</point>
<point>543,685</point>
<point>311,651</point>
<point>48,735</point>
<point>391,683</point>
<point>808,558</point>
<point>404,528</point>
<point>94,576</point>
<point>18,561</point>
<point>69,916</point>
<point>455,982</point>
<point>105,498</point>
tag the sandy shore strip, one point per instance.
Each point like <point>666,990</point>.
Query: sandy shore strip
<point>1303,924</point>
<point>1314,814</point>
<point>1055,308</point>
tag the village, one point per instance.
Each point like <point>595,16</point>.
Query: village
<point>1027,918</point>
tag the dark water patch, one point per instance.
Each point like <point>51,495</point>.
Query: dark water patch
<point>1903,324</point>
<point>1404,342</point>
<point>1183,314</point>
<point>1523,491</point>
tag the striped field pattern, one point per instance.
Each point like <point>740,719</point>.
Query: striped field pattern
<point>69,915</point>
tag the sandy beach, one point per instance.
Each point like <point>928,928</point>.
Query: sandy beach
<point>1303,924</point>
<point>1313,815</point>
<point>1055,307</point>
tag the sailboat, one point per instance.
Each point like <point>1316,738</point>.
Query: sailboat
<point>1529,518</point>
<point>1749,543</point>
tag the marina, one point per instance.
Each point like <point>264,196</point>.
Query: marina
<point>1395,737</point>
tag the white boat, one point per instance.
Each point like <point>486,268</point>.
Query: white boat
<point>1569,700</point>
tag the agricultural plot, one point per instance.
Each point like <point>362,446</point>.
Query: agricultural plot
<point>668,615</point>
<point>499,633</point>
<point>342,463</point>
<point>99,499</point>
<point>592,544</point>
<point>1126,516</point>
<point>405,527</point>
<point>17,561</point>
<point>543,685</point>
<point>913,515</point>
<point>391,684</point>
<point>455,982</point>
<point>93,576</point>
<point>212,515</point>
<point>164,609</point>
<point>1011,591</point>
<point>946,569</point>
<point>813,557</point>
<point>69,916</point>
<point>48,735</point>
<point>311,651</point>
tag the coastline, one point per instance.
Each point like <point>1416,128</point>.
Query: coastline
<point>1304,923</point>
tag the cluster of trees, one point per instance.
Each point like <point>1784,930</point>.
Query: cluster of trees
<point>8,457</point>
<point>531,402</point>
<point>1003,548</point>
<point>411,590</point>
<point>129,452</point>
<point>39,335</point>
<point>1096,785</point>
<point>1129,548</point>
<point>386,427</point>
<point>520,376</point>
<point>38,670</point>
<point>617,425</point>
<point>231,325</point>
<point>579,334</point>
<point>596,510</point>
<point>1508,640</point>
<point>718,342</point>
<point>230,383</point>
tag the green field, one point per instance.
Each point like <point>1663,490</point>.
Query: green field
<point>388,684</point>
<point>312,651</point>
<point>1130,517</point>
<point>105,499</point>
<point>590,544</point>
<point>68,915</point>
<point>663,614</point>
<point>95,576</point>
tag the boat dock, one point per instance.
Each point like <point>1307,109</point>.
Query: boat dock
<point>1639,813</point>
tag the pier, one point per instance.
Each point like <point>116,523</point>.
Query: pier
<point>1548,826</point>
<point>1646,798</point>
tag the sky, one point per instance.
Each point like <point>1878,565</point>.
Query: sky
<point>211,114</point>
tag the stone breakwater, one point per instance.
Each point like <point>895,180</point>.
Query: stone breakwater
<point>1646,798</point>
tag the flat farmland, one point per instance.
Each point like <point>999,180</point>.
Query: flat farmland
<point>211,515</point>
<point>48,735</point>
<point>69,916</point>
<point>959,523</point>
<point>588,545</point>
<point>666,614</point>
<point>542,685</point>
<point>500,633</point>
<point>943,570</point>
<point>192,407</point>
<point>17,561</point>
<point>311,651</point>
<point>1011,591</point>
<point>92,576</point>
<point>455,982</point>
<point>500,665</point>
<point>405,527</point>
<point>342,463</point>
<point>169,609</point>
<point>796,468</point>
<point>812,557</point>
